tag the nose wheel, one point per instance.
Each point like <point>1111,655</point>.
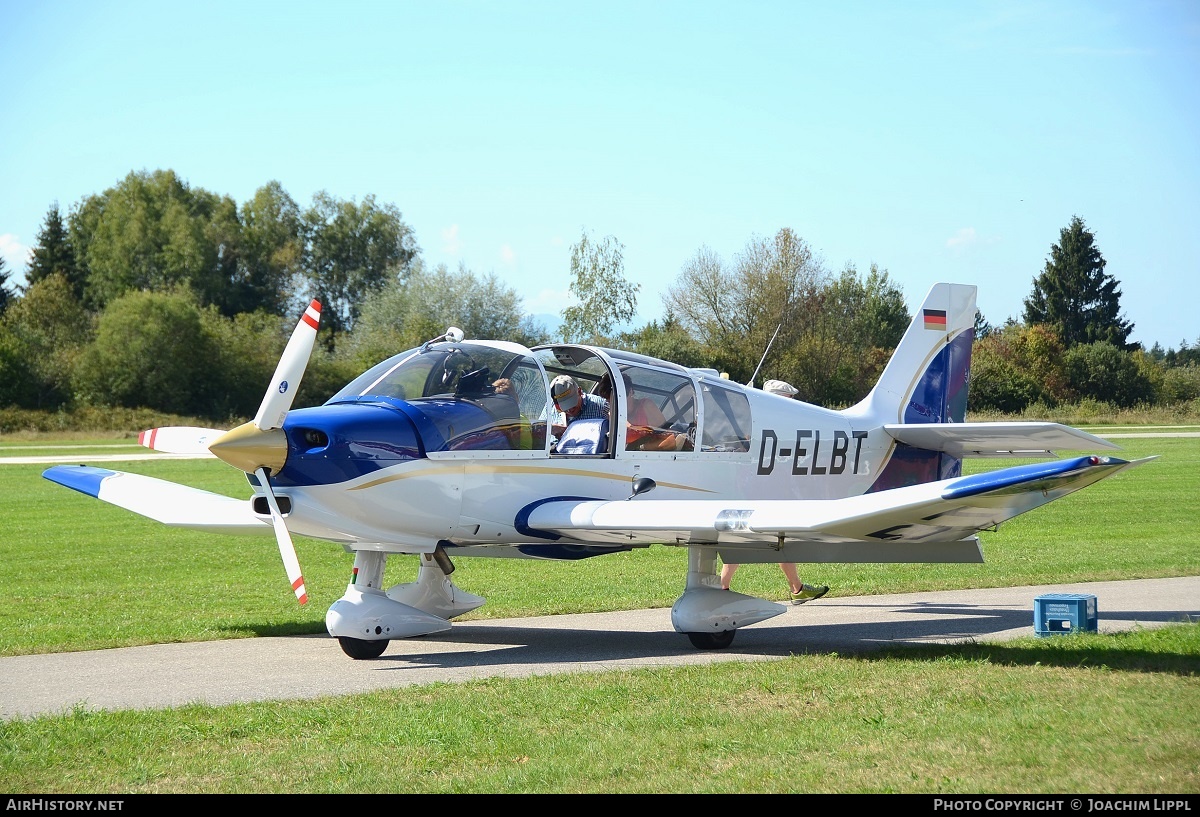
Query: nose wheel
<point>361,650</point>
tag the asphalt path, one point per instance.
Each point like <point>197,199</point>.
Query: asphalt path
<point>305,667</point>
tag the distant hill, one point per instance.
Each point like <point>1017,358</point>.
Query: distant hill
<point>551,321</point>
<point>548,320</point>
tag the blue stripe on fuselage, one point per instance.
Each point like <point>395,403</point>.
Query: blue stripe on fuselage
<point>910,465</point>
<point>521,522</point>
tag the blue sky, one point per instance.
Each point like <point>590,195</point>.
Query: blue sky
<point>940,140</point>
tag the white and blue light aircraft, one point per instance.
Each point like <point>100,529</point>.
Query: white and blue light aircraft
<point>444,451</point>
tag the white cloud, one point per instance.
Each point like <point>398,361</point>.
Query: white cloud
<point>16,254</point>
<point>548,301</point>
<point>508,256</point>
<point>963,238</point>
<point>450,241</point>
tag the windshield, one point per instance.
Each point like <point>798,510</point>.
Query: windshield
<point>477,395</point>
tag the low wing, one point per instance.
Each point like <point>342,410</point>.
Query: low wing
<point>167,502</point>
<point>996,439</point>
<point>858,528</point>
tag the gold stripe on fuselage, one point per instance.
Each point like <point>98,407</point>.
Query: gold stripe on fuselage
<point>512,468</point>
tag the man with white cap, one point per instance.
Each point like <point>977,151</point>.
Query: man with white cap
<point>801,592</point>
<point>571,404</point>
<point>781,388</point>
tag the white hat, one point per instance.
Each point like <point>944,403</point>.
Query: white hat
<point>565,392</point>
<point>780,388</point>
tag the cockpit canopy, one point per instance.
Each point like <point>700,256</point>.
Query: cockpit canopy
<point>473,395</point>
<point>477,395</point>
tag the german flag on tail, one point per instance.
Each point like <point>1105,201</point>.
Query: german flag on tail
<point>935,319</point>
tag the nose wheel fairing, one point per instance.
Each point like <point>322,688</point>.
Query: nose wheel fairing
<point>365,618</point>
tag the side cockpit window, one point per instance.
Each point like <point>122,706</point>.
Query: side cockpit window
<point>660,410</point>
<point>727,423</point>
<point>575,420</point>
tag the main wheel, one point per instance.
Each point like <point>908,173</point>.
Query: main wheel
<point>711,641</point>
<point>361,650</point>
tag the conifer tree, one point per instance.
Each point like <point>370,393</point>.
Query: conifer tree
<point>1075,295</point>
<point>54,253</point>
<point>6,291</point>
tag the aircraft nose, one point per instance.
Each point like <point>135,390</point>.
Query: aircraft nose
<point>333,443</point>
<point>248,449</point>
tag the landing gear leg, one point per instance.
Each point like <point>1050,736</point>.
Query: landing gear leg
<point>708,615</point>
<point>433,592</point>
<point>368,569</point>
<point>368,575</point>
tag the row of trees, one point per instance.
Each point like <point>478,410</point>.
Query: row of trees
<point>153,232</point>
<point>156,294</point>
<point>1073,343</point>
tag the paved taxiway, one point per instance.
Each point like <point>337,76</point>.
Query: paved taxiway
<point>259,669</point>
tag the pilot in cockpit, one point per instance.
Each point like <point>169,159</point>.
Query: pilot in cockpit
<point>646,428</point>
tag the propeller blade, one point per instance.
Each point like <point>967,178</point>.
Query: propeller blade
<point>286,380</point>
<point>284,539</point>
<point>179,439</point>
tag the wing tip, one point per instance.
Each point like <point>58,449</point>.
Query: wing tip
<point>83,478</point>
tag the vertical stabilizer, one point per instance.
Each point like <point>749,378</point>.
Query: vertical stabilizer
<point>926,379</point>
<point>925,382</point>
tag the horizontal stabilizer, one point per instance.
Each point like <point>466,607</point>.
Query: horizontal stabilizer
<point>167,502</point>
<point>996,439</point>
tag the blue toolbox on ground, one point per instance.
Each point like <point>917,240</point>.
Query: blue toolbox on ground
<point>1055,613</point>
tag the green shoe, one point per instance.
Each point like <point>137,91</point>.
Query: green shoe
<point>809,592</point>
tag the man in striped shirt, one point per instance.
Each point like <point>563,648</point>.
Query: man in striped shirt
<point>571,404</point>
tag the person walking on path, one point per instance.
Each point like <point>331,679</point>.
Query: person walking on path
<point>801,592</point>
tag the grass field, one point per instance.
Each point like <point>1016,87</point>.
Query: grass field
<point>1087,714</point>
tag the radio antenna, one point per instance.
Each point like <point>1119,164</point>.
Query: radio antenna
<point>764,357</point>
